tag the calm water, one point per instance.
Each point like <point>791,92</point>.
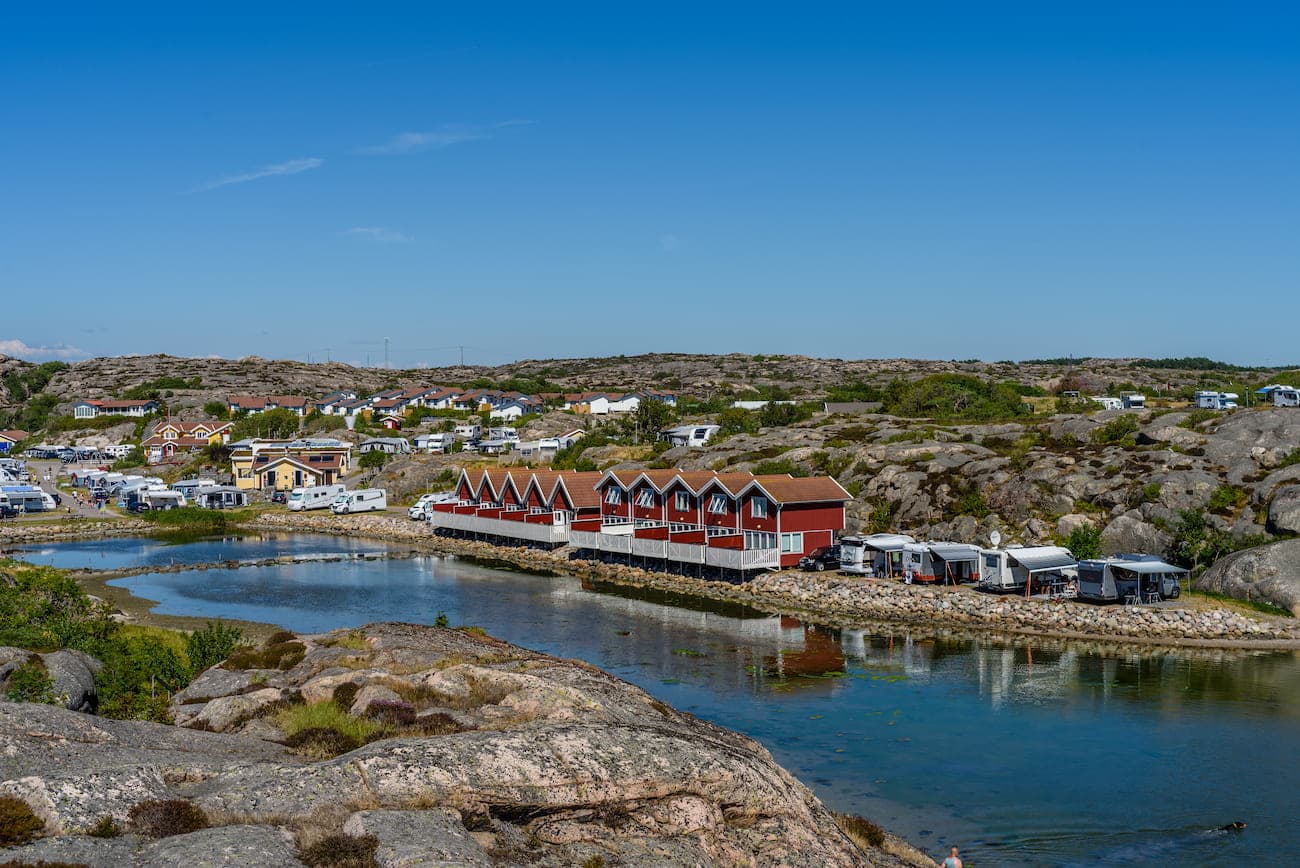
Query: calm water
<point>1045,754</point>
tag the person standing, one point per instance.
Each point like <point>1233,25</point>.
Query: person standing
<point>953,860</point>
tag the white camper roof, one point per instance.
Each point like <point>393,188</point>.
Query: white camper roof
<point>885,542</point>
<point>1041,558</point>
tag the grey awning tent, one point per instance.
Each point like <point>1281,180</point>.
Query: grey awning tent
<point>954,551</point>
<point>1039,561</point>
<point>886,542</point>
<point>1147,568</point>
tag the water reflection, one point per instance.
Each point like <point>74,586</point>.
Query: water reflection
<point>1023,752</point>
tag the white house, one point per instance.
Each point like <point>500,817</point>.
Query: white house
<point>95,409</point>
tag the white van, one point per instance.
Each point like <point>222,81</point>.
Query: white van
<point>1286,397</point>
<point>314,497</point>
<point>361,500</point>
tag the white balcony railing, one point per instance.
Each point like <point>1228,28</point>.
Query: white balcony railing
<point>743,559</point>
<point>585,539</point>
<point>650,548</point>
<point>621,543</point>
<point>686,553</point>
<point>544,533</point>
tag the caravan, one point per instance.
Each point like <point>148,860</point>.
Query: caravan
<point>220,497</point>
<point>1216,400</point>
<point>1131,578</point>
<point>27,498</point>
<point>1286,396</point>
<point>1027,568</point>
<point>361,500</point>
<point>314,497</point>
<point>876,555</point>
<point>947,563</point>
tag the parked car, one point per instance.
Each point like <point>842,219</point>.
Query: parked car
<point>824,558</point>
<point>8,511</point>
<point>280,497</point>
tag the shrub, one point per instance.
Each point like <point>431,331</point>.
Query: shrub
<point>341,851</point>
<point>1118,430</point>
<point>18,824</point>
<point>321,743</point>
<point>325,715</point>
<point>391,713</point>
<point>778,467</point>
<point>277,655</point>
<point>1084,542</point>
<point>107,827</point>
<point>1226,498</point>
<point>31,683</point>
<point>207,647</point>
<point>863,832</point>
<point>1151,492</point>
<point>345,694</point>
<point>163,818</point>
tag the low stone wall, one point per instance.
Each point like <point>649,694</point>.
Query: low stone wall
<point>848,601</point>
<point>73,528</point>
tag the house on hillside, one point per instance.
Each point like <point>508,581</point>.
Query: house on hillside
<point>11,438</point>
<point>328,404</point>
<point>299,404</point>
<point>330,459</point>
<point>173,438</point>
<point>95,409</point>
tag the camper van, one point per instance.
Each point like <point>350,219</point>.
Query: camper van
<point>435,443</point>
<point>1285,396</point>
<point>469,431</point>
<point>422,510</point>
<point>159,498</point>
<point>1021,568</point>
<point>1132,401</point>
<point>504,433</point>
<point>361,500</point>
<point>314,497</point>
<point>694,436</point>
<point>878,554</point>
<point>946,563</point>
<point>1129,578</point>
<point>1216,400</point>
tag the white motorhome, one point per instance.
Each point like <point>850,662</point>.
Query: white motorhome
<point>1108,403</point>
<point>314,497</point>
<point>469,431</point>
<point>28,498</point>
<point>505,433</point>
<point>1014,568</point>
<point>690,435</point>
<point>361,500</point>
<point>877,554</point>
<point>435,443</point>
<point>423,508</point>
<point>1216,400</point>
<point>1286,396</point>
<point>161,498</point>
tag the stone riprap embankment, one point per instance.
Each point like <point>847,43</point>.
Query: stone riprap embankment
<point>475,752</point>
<point>18,532</point>
<point>851,602</point>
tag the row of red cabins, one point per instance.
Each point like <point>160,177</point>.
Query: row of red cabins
<point>682,521</point>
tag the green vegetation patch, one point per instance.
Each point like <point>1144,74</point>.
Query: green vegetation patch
<point>18,824</point>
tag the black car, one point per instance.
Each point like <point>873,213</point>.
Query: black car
<point>8,510</point>
<point>824,558</point>
<point>280,497</point>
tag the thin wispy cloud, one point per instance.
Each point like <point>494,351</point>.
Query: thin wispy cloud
<point>377,233</point>
<point>442,137</point>
<point>19,349</point>
<point>289,167</point>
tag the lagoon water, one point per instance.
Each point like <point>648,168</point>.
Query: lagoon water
<point>1034,753</point>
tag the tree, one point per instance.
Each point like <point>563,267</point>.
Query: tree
<point>207,647</point>
<point>216,410</point>
<point>276,423</point>
<point>649,418</point>
<point>375,459</point>
<point>1084,542</point>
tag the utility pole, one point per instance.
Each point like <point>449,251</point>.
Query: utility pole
<point>386,352</point>
<point>462,355</point>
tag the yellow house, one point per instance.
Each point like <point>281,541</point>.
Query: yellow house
<point>288,472</point>
<point>259,464</point>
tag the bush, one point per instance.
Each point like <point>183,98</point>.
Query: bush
<point>106,827</point>
<point>345,694</point>
<point>163,818</point>
<point>1226,498</point>
<point>375,459</point>
<point>134,458</point>
<point>778,467</point>
<point>321,743</point>
<point>863,832</point>
<point>325,715</point>
<point>214,643</point>
<point>341,851</point>
<point>218,410</point>
<point>1151,492</point>
<point>1084,542</point>
<point>277,655</point>
<point>18,824</point>
<point>1121,429</point>
<point>31,683</point>
<point>392,713</point>
<point>953,396</point>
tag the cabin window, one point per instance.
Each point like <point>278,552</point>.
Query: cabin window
<point>756,540</point>
<point>645,497</point>
<point>614,495</point>
<point>683,501</point>
<point>758,507</point>
<point>791,543</point>
<point>718,504</point>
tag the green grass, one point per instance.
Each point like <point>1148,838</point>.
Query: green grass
<point>325,715</point>
<point>1257,605</point>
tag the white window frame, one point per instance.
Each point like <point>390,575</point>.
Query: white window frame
<point>645,498</point>
<point>718,504</point>
<point>754,510</point>
<point>614,495</point>
<point>683,500</point>
<point>792,543</point>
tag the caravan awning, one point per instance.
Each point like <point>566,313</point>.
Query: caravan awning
<point>1146,568</point>
<point>955,552</point>
<point>887,542</point>
<point>1038,561</point>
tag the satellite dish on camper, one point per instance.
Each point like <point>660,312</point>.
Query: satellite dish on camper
<point>996,538</point>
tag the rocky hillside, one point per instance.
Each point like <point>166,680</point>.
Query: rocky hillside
<point>412,745</point>
<point>701,375</point>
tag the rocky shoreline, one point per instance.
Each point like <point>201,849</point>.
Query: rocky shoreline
<point>425,745</point>
<point>852,602</point>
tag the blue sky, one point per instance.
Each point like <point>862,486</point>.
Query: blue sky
<point>553,180</point>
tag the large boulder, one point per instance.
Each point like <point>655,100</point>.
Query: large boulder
<point>1284,510</point>
<point>73,674</point>
<point>408,838</point>
<point>1269,573</point>
<point>1130,533</point>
